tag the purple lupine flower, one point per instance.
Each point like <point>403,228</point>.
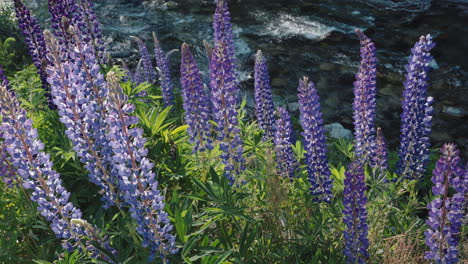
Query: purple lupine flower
<point>196,101</point>
<point>3,79</point>
<point>6,171</point>
<point>162,63</point>
<point>148,69</point>
<point>380,152</point>
<point>63,15</point>
<point>314,142</point>
<point>34,168</point>
<point>91,23</point>
<point>446,213</point>
<point>417,113</point>
<point>355,214</point>
<point>77,89</point>
<point>138,183</point>
<point>283,140</point>
<point>224,93</point>
<point>264,107</point>
<point>364,104</point>
<point>138,76</point>
<point>34,39</point>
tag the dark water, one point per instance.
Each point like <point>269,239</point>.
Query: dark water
<point>316,38</point>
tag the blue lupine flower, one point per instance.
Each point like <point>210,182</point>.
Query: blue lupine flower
<point>355,214</point>
<point>283,140</point>
<point>63,15</point>
<point>35,41</point>
<point>446,213</point>
<point>34,168</point>
<point>196,101</point>
<point>417,113</point>
<point>364,104</point>
<point>162,63</point>
<point>264,107</point>
<point>94,33</point>
<point>379,157</point>
<point>224,93</point>
<point>78,89</point>
<point>137,181</point>
<point>314,142</point>
<point>148,69</point>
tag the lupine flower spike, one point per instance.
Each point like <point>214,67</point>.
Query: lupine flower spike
<point>34,168</point>
<point>81,112</point>
<point>264,108</point>
<point>63,15</point>
<point>35,41</point>
<point>380,154</point>
<point>364,102</point>
<point>137,181</point>
<point>91,23</point>
<point>224,93</point>
<point>355,215</point>
<point>283,140</point>
<point>196,101</point>
<point>446,213</point>
<point>417,113</point>
<point>162,63</point>
<point>314,142</point>
<point>148,68</point>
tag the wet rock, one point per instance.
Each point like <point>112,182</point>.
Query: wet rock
<point>336,130</point>
<point>293,107</point>
<point>453,111</point>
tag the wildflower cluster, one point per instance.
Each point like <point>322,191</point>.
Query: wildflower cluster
<point>34,170</point>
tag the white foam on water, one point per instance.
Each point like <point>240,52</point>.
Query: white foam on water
<point>285,26</point>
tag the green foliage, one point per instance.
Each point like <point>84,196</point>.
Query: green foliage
<point>13,51</point>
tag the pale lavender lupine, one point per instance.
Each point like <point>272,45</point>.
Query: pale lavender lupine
<point>78,89</point>
<point>34,168</point>
<point>137,181</point>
